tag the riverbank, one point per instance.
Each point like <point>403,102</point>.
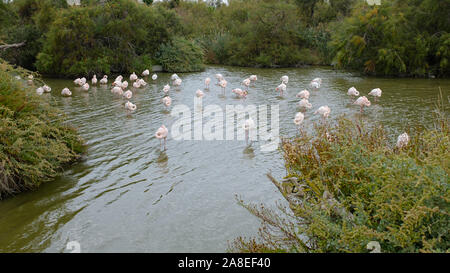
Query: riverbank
<point>35,141</point>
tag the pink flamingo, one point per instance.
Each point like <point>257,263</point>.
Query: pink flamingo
<point>324,111</point>
<point>246,83</point>
<point>167,101</point>
<point>199,93</point>
<point>161,134</point>
<point>305,104</point>
<point>66,92</point>
<point>402,140</point>
<point>248,125</point>
<point>376,93</point>
<point>130,106</point>
<point>362,101</point>
<point>281,88</point>
<point>128,94</point>
<point>240,93</point>
<point>223,83</point>
<point>94,80</point>
<point>207,82</point>
<point>303,94</point>
<point>104,80</point>
<point>133,77</point>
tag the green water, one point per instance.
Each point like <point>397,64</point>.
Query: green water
<point>129,196</point>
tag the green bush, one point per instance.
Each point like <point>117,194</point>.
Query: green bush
<point>181,55</point>
<point>348,185</point>
<point>397,38</point>
<point>118,37</point>
<point>35,141</point>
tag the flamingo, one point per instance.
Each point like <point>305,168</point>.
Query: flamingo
<point>117,90</point>
<point>154,77</point>
<point>47,89</point>
<point>240,93</point>
<point>66,92</point>
<point>199,93</point>
<point>248,125</point>
<point>83,81</point>
<point>133,77</point>
<point>40,91</point>
<point>174,77</point>
<point>246,83</point>
<point>299,117</point>
<point>124,85</point>
<point>177,82</point>
<point>136,84</point>
<point>85,87</point>
<point>119,78</point>
<point>130,106</point>
<point>319,80</point>
<point>253,78</point>
<point>145,73</point>
<point>219,78</point>
<point>94,80</point>
<point>142,82</point>
<point>402,140</point>
<point>128,94</point>
<point>304,94</point>
<point>207,82</point>
<point>281,88</point>
<point>362,101</point>
<point>117,83</point>
<point>314,84</point>
<point>352,92</point>
<point>223,83</point>
<point>285,79</point>
<point>161,134</point>
<point>166,88</point>
<point>104,80</point>
<point>324,111</point>
<point>304,103</point>
<point>167,101</point>
<point>376,93</point>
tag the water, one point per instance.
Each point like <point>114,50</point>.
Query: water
<point>128,196</point>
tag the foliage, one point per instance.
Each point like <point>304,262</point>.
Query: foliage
<point>27,21</point>
<point>117,37</point>
<point>35,141</point>
<point>409,38</point>
<point>181,55</point>
<point>348,185</point>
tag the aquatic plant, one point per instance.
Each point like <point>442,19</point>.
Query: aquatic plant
<point>35,140</point>
<point>347,185</point>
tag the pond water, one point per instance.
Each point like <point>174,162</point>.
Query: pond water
<point>129,196</point>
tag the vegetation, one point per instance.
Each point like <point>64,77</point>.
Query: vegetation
<point>396,38</point>
<point>348,185</point>
<point>35,141</point>
<point>181,55</point>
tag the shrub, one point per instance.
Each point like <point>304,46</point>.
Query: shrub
<point>181,55</point>
<point>35,141</point>
<point>117,37</point>
<point>348,184</point>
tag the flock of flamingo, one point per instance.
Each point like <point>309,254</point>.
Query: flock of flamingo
<point>120,85</point>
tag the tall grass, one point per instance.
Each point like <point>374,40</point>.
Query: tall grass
<point>35,141</point>
<point>348,184</point>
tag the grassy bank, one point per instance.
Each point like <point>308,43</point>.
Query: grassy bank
<point>349,185</point>
<point>35,141</point>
